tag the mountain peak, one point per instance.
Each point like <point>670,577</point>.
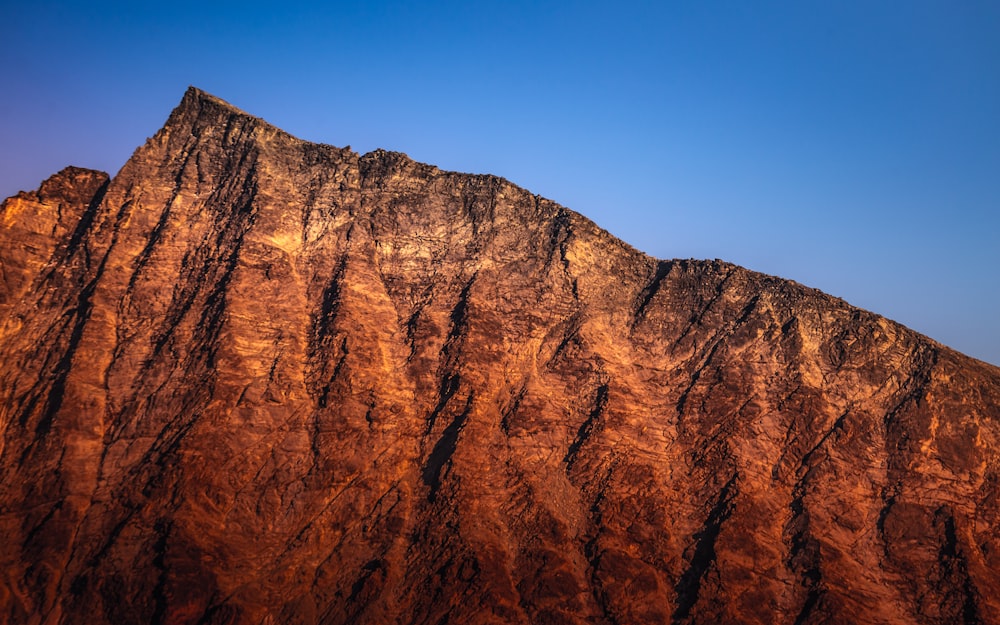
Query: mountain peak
<point>255,379</point>
<point>199,112</point>
<point>195,98</point>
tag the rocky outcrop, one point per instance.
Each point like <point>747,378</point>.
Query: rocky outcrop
<point>258,380</point>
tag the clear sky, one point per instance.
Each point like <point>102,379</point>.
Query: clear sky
<point>851,145</point>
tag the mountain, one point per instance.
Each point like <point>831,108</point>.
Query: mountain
<point>252,379</point>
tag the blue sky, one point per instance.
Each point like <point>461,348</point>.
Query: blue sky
<point>851,146</point>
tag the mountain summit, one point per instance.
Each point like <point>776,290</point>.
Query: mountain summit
<point>252,379</point>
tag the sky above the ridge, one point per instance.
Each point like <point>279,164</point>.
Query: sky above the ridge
<point>852,146</point>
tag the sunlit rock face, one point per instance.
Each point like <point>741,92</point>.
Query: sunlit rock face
<point>256,380</point>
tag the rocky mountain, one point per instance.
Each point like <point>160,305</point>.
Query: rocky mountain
<point>252,379</point>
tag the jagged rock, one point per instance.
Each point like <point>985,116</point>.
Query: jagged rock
<point>258,380</point>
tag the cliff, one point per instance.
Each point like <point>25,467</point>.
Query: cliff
<point>253,379</point>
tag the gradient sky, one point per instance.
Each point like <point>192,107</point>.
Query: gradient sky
<point>853,146</point>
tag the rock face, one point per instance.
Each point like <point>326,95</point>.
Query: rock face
<point>253,379</point>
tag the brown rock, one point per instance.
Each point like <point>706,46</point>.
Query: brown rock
<point>259,380</point>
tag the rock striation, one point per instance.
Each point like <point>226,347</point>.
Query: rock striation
<point>252,379</point>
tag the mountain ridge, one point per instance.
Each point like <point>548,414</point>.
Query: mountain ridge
<point>193,96</point>
<point>266,380</point>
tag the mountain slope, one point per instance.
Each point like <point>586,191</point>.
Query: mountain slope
<point>253,379</point>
